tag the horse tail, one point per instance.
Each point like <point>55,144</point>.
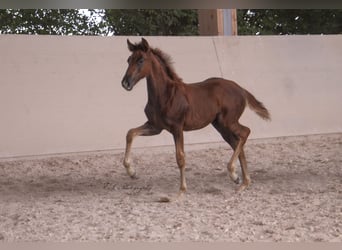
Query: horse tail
<point>257,106</point>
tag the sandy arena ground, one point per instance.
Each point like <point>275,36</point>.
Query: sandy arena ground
<point>296,195</point>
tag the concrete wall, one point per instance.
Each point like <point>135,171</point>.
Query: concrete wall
<point>63,94</point>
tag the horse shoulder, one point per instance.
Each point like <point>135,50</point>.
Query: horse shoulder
<point>177,105</point>
<point>170,111</point>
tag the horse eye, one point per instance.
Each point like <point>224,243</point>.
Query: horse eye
<point>141,61</point>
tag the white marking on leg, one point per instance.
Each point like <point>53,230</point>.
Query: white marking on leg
<point>127,160</point>
<point>232,173</point>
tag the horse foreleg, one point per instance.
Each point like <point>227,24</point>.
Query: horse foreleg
<point>145,130</point>
<point>180,156</point>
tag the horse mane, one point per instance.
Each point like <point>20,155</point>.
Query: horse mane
<point>166,62</point>
<point>164,59</point>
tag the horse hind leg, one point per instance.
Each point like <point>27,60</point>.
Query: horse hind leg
<point>241,134</point>
<point>236,144</point>
<point>230,138</point>
<point>245,175</point>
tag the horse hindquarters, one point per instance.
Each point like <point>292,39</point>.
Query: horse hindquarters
<point>233,103</point>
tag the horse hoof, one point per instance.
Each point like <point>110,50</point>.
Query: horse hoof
<point>241,188</point>
<point>131,173</point>
<point>133,176</point>
<point>237,180</point>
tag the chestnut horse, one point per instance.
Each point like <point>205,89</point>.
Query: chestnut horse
<point>177,107</point>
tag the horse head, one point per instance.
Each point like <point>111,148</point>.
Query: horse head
<point>139,63</point>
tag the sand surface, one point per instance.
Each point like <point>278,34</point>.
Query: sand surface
<point>296,195</point>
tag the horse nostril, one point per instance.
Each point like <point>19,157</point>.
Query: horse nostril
<point>126,84</point>
<point>123,80</point>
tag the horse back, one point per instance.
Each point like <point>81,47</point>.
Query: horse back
<point>216,88</point>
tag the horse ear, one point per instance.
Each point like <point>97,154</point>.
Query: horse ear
<point>130,46</point>
<point>145,45</point>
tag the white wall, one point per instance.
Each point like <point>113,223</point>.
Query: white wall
<point>63,94</point>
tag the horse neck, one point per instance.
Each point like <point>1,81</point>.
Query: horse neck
<point>158,84</point>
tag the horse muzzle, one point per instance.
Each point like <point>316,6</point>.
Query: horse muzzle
<point>127,83</point>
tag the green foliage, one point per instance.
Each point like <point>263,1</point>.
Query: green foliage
<point>48,21</point>
<point>282,22</point>
<point>163,22</point>
<point>152,22</point>
<point>98,22</point>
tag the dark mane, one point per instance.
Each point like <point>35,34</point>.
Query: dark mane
<point>163,58</point>
<point>166,61</point>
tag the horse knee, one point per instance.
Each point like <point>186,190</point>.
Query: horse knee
<point>130,136</point>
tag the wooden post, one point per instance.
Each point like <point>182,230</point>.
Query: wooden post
<point>214,22</point>
<point>210,22</point>
<point>234,22</point>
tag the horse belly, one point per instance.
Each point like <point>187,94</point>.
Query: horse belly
<point>199,119</point>
<point>203,107</point>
